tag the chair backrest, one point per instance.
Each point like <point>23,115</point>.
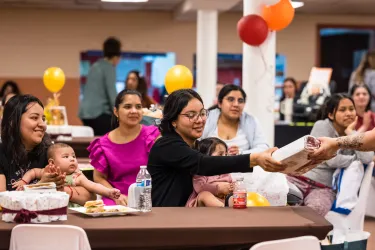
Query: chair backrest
<point>46,237</point>
<point>305,243</point>
<point>357,216</point>
<point>370,208</point>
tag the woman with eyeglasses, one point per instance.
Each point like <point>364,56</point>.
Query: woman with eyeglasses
<point>173,162</point>
<point>227,121</point>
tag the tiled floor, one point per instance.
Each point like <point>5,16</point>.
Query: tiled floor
<point>370,227</point>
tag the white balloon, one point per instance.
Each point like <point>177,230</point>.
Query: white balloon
<point>270,2</point>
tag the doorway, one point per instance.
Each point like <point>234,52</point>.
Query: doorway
<point>341,48</point>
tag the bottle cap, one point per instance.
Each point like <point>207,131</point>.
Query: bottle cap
<point>143,167</point>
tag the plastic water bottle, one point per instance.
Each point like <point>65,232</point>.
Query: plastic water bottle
<point>239,193</point>
<point>144,202</point>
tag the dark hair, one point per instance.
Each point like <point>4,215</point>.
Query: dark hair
<point>330,106</point>
<point>207,146</point>
<point>365,64</point>
<point>142,84</point>
<point>355,87</point>
<point>53,147</point>
<point>289,79</point>
<point>111,47</point>
<point>174,104</point>
<point>225,91</point>
<point>119,99</point>
<point>5,97</point>
<point>11,130</point>
<point>11,84</point>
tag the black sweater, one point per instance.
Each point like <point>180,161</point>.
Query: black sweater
<point>14,173</point>
<point>172,165</point>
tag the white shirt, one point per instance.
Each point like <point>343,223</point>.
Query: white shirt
<point>239,140</point>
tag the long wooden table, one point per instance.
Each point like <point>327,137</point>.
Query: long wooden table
<point>193,228</point>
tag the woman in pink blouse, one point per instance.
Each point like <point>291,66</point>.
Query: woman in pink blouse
<point>210,191</point>
<point>118,155</point>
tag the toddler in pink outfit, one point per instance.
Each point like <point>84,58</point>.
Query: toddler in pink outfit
<point>210,191</point>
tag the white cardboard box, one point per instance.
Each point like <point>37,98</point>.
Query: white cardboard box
<point>294,155</point>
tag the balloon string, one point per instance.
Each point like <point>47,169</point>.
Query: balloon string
<point>270,105</point>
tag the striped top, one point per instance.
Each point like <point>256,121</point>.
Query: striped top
<point>239,140</point>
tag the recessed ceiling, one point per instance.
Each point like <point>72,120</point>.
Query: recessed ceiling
<point>355,7</point>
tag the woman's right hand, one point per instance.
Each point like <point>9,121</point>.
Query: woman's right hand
<point>52,173</point>
<point>122,200</point>
<point>264,159</point>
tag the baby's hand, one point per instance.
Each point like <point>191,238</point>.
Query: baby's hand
<point>114,193</point>
<point>18,185</point>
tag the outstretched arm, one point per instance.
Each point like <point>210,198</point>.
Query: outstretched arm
<point>97,188</point>
<point>359,142</point>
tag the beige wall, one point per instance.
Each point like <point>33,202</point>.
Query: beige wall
<point>32,40</point>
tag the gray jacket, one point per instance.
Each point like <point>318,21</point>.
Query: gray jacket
<point>248,124</point>
<point>323,173</point>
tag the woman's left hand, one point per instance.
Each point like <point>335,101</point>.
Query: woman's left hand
<point>233,150</point>
<point>122,200</point>
<point>349,130</point>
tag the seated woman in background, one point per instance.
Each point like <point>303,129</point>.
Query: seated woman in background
<point>118,155</point>
<point>9,87</point>
<point>288,99</point>
<point>365,74</point>
<point>337,117</point>
<point>361,95</point>
<point>227,121</point>
<point>135,81</point>
<point>25,144</point>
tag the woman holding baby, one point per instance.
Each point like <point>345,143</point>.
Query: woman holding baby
<point>24,147</point>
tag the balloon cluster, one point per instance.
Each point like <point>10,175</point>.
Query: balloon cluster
<point>276,15</point>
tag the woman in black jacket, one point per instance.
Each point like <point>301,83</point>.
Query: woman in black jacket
<point>173,162</point>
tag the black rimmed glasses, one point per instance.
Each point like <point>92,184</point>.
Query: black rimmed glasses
<point>193,116</point>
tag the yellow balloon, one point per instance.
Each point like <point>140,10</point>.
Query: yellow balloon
<point>178,77</point>
<point>54,79</point>
<point>256,200</point>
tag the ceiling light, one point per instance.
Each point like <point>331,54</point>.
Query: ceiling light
<point>125,1</point>
<point>294,4</point>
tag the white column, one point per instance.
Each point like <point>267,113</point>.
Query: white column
<point>207,30</point>
<point>258,76</point>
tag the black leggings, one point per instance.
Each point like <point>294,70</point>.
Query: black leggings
<point>101,124</point>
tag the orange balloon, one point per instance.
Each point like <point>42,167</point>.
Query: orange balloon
<point>278,16</point>
<point>256,200</point>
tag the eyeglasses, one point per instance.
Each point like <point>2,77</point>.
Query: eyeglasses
<point>193,116</point>
<point>231,99</point>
